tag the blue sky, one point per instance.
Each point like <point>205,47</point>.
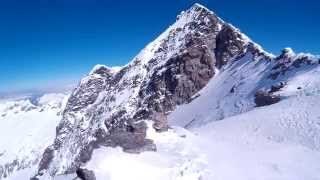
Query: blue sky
<point>48,44</point>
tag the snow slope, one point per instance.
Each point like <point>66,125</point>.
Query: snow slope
<point>232,91</point>
<point>266,143</point>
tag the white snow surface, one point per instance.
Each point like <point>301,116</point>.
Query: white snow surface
<point>27,129</point>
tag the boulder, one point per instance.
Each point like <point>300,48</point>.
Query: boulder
<point>85,174</point>
<point>263,98</point>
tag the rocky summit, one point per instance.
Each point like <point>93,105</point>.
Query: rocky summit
<point>109,106</point>
<point>197,55</point>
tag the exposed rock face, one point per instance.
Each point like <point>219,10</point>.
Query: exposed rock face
<point>263,98</point>
<point>229,44</point>
<point>289,61</point>
<point>277,87</point>
<point>109,107</point>
<point>46,158</point>
<point>179,79</point>
<point>85,174</point>
<point>7,169</point>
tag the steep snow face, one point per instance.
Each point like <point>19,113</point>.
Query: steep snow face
<point>108,105</point>
<point>27,127</point>
<point>233,90</point>
<point>230,92</point>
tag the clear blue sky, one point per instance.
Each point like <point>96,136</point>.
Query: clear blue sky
<point>50,43</point>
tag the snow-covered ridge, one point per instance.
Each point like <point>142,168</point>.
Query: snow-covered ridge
<point>200,70</point>
<point>105,102</point>
<point>289,53</point>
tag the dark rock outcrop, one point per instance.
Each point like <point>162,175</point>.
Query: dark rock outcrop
<point>46,158</point>
<point>229,44</point>
<point>85,174</point>
<point>263,98</point>
<point>180,78</point>
<point>277,87</point>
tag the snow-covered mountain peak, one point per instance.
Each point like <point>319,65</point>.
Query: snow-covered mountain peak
<point>199,6</point>
<point>111,106</point>
<point>195,12</point>
<point>197,19</point>
<point>201,69</point>
<point>195,24</point>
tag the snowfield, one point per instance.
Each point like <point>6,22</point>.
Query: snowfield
<point>26,130</point>
<point>276,142</point>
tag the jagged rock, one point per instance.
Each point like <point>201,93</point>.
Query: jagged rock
<point>229,44</point>
<point>182,76</point>
<point>46,159</point>
<point>109,107</point>
<point>232,90</point>
<point>131,138</point>
<point>277,87</point>
<point>7,169</point>
<point>288,61</point>
<point>263,98</point>
<point>160,121</point>
<point>85,174</point>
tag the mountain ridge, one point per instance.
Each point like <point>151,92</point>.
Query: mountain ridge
<point>200,27</point>
<point>109,107</point>
<point>200,70</point>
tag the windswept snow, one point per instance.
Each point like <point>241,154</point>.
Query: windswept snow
<point>280,141</point>
<point>176,158</point>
